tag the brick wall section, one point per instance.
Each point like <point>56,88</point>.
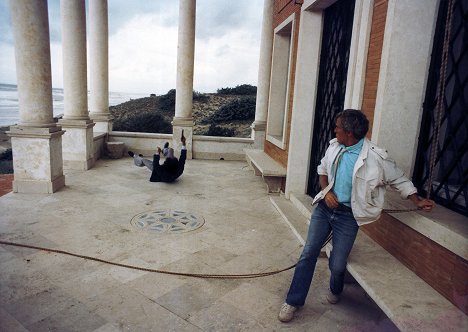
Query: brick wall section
<point>282,9</point>
<point>6,183</point>
<point>373,59</point>
<point>443,270</point>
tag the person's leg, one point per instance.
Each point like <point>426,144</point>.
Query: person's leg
<point>141,162</point>
<point>345,231</point>
<point>148,164</point>
<point>319,229</point>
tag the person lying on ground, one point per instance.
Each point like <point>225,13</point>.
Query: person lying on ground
<point>168,171</point>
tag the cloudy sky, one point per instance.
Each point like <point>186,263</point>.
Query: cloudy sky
<point>143,44</point>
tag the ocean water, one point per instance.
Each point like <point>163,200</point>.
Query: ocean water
<point>9,106</point>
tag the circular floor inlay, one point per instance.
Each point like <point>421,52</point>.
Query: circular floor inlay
<point>167,221</point>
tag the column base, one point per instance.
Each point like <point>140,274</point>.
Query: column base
<point>103,126</point>
<point>37,162</point>
<point>185,124</point>
<point>77,146</point>
<point>258,134</point>
<point>38,187</point>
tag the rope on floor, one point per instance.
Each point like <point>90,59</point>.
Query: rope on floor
<point>193,275</point>
<point>183,274</point>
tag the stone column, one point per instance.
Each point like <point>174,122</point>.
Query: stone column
<point>99,65</point>
<point>184,83</point>
<point>36,141</point>
<point>78,141</point>
<point>264,75</point>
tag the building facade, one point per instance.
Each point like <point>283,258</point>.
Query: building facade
<point>403,63</point>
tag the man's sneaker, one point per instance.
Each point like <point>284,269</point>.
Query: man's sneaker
<point>286,313</point>
<point>332,298</point>
<point>131,154</point>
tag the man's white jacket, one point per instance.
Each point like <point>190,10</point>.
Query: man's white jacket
<point>372,173</point>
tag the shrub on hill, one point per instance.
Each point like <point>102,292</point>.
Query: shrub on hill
<point>167,101</point>
<point>144,122</point>
<point>201,97</point>
<point>6,162</point>
<point>244,89</point>
<point>238,109</point>
<point>215,130</point>
<point>6,155</point>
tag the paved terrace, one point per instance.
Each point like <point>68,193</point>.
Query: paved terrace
<point>239,231</point>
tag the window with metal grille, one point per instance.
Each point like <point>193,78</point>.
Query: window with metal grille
<point>442,169</point>
<point>336,41</point>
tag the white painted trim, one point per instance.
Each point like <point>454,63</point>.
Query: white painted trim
<point>282,25</point>
<point>279,142</point>
<point>359,47</point>
<point>278,103</point>
<point>305,93</point>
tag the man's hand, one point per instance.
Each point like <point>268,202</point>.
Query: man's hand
<point>422,204</point>
<point>159,150</point>
<point>182,138</point>
<point>331,200</point>
<point>426,205</point>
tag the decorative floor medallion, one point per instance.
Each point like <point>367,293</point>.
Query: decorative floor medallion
<point>167,221</point>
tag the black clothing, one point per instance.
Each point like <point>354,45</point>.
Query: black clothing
<point>170,170</point>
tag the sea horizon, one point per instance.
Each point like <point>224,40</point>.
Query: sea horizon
<point>9,104</point>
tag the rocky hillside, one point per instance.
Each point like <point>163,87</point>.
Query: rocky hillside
<point>213,114</point>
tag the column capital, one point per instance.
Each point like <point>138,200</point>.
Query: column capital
<point>182,122</point>
<point>76,123</point>
<point>259,125</point>
<point>101,116</point>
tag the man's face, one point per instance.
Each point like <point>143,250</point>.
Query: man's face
<point>340,133</point>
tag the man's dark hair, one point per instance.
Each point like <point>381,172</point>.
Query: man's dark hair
<point>354,121</point>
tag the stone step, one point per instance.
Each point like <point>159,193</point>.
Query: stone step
<point>273,173</point>
<point>406,299</point>
<point>296,221</point>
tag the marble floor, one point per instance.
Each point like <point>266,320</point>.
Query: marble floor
<point>236,229</point>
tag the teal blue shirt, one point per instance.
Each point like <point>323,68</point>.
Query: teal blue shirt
<point>344,173</point>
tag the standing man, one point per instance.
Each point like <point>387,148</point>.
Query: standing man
<point>353,175</point>
<point>172,167</point>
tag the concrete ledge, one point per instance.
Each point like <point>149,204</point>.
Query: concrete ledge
<point>144,143</point>
<point>81,165</point>
<point>203,147</point>
<point>226,148</point>
<point>273,173</point>
<point>447,228</point>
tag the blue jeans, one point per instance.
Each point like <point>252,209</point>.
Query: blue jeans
<point>345,229</point>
